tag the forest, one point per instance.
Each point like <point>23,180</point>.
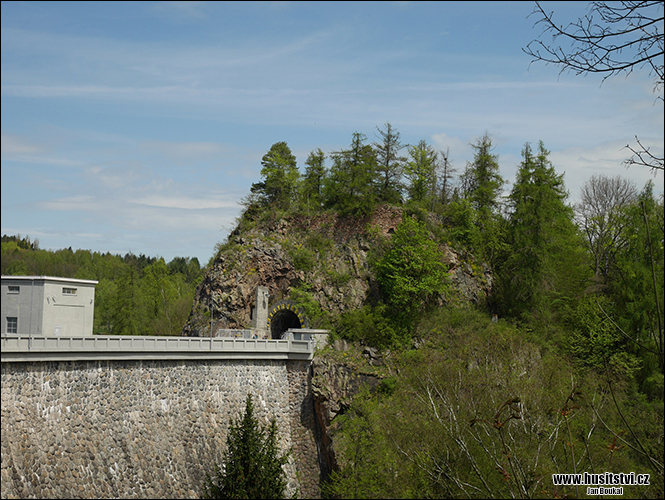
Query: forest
<point>593,266</point>
<point>136,295</point>
<point>569,379</point>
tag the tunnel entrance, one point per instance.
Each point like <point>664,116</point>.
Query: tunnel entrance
<point>284,315</point>
<point>282,321</point>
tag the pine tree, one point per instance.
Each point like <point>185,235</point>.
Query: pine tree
<point>482,185</point>
<point>252,463</point>
<point>389,165</point>
<point>315,173</point>
<point>483,181</point>
<point>421,171</point>
<point>545,258</point>
<point>351,186</point>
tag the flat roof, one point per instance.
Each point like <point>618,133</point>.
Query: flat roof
<point>50,278</point>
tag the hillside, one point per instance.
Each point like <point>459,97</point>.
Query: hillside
<point>477,410</point>
<point>321,263</point>
<point>422,391</point>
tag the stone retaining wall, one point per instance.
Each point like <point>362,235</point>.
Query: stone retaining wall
<point>144,429</point>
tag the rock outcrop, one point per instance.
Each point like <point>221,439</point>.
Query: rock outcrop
<point>334,385</point>
<point>329,257</point>
<point>327,253</point>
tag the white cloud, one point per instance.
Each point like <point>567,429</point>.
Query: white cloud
<point>187,150</point>
<point>186,203</point>
<point>456,145</point>
<point>606,158</point>
<point>84,203</point>
<point>15,145</point>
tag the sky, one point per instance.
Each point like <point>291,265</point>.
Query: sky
<point>139,127</point>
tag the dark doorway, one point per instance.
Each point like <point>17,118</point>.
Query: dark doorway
<point>281,321</point>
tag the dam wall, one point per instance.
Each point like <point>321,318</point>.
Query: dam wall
<point>144,420</point>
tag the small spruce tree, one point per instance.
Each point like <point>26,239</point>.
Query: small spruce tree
<point>252,464</point>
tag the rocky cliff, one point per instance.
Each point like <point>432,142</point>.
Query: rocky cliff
<point>329,257</point>
<point>326,254</point>
<point>339,373</point>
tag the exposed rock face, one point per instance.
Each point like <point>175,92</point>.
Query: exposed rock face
<point>334,386</point>
<point>328,252</point>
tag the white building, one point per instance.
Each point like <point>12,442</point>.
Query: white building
<point>45,305</point>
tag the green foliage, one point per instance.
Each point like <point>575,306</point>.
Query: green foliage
<point>364,446</point>
<point>19,242</point>
<point>481,180</point>
<point>252,466</point>
<point>421,172</point>
<point>303,258</point>
<point>595,339</point>
<point>389,165</point>
<point>636,280</point>
<point>315,174</point>
<point>387,386</point>
<point>280,177</point>
<point>478,411</point>
<point>350,188</point>
<point>482,185</point>
<point>601,214</point>
<point>461,218</point>
<point>544,263</point>
<point>125,306</point>
<point>372,325</point>
<point>135,295</point>
<point>412,275</point>
<point>318,318</point>
<point>319,243</point>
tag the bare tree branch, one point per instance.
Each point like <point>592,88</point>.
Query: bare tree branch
<point>626,37</point>
<point>643,157</point>
<point>610,39</point>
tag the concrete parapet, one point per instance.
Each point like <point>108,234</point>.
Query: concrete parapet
<point>23,348</point>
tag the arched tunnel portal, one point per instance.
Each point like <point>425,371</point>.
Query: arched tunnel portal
<point>283,315</point>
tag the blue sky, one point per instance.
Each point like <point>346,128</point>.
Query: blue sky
<point>140,126</point>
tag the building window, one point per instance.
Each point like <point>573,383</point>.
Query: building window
<point>69,291</point>
<point>12,325</point>
<point>13,289</point>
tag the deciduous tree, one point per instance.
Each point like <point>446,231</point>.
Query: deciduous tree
<point>412,274</point>
<point>601,214</point>
<point>280,176</point>
<point>636,280</point>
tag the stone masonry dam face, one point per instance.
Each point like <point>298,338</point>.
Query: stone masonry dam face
<point>145,428</point>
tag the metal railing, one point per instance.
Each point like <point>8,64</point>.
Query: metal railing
<point>16,348</point>
<point>236,334</point>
